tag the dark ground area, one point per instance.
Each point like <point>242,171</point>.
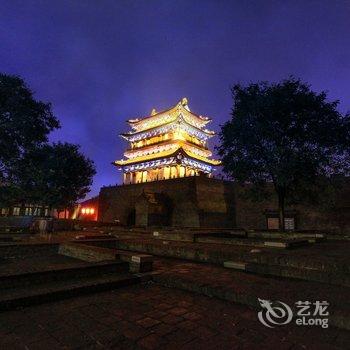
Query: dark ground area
<point>188,304</point>
<point>153,317</point>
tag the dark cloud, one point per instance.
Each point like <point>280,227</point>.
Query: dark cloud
<point>101,62</point>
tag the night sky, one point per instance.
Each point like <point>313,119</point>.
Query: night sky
<point>101,62</point>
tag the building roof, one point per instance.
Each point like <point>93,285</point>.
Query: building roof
<point>179,119</point>
<point>170,143</point>
<point>158,118</point>
<point>166,154</point>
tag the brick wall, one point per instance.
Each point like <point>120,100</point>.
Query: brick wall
<point>250,214</point>
<point>195,201</point>
<point>207,202</point>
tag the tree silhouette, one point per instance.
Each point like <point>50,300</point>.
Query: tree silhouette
<point>24,122</point>
<point>287,135</point>
<point>56,175</point>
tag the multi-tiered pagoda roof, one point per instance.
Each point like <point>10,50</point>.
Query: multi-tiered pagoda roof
<point>167,144</point>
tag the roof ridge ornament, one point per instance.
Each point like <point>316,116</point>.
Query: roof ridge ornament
<point>184,103</point>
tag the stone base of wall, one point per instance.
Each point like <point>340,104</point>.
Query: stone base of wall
<point>199,202</point>
<point>183,202</point>
<point>308,218</point>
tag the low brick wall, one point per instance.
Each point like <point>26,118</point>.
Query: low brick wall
<point>174,236</point>
<point>95,253</point>
<point>87,253</point>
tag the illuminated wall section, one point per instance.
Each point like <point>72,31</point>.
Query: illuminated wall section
<point>167,145</point>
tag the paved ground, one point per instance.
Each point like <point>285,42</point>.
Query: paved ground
<point>154,317</point>
<point>151,316</point>
<point>248,284</point>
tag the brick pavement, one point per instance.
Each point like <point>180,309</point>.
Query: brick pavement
<point>246,288</point>
<point>247,283</point>
<point>150,316</point>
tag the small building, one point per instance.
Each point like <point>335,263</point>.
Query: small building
<point>35,210</point>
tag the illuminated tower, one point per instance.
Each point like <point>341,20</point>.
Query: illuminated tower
<point>166,145</point>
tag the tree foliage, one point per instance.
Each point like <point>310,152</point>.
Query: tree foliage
<point>287,135</point>
<point>31,169</point>
<point>57,175</point>
<point>24,122</point>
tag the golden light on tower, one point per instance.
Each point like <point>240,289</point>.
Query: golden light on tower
<point>167,144</point>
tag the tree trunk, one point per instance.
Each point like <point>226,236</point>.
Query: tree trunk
<point>22,209</point>
<point>281,214</point>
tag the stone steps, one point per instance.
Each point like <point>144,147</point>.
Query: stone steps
<point>116,230</point>
<point>287,235</point>
<point>20,297</point>
<point>256,242</point>
<point>45,276</point>
<point>262,262</point>
<point>232,238</point>
<point>316,275</point>
<point>58,282</point>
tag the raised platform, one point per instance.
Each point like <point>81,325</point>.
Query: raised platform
<point>201,202</point>
<point>182,202</point>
